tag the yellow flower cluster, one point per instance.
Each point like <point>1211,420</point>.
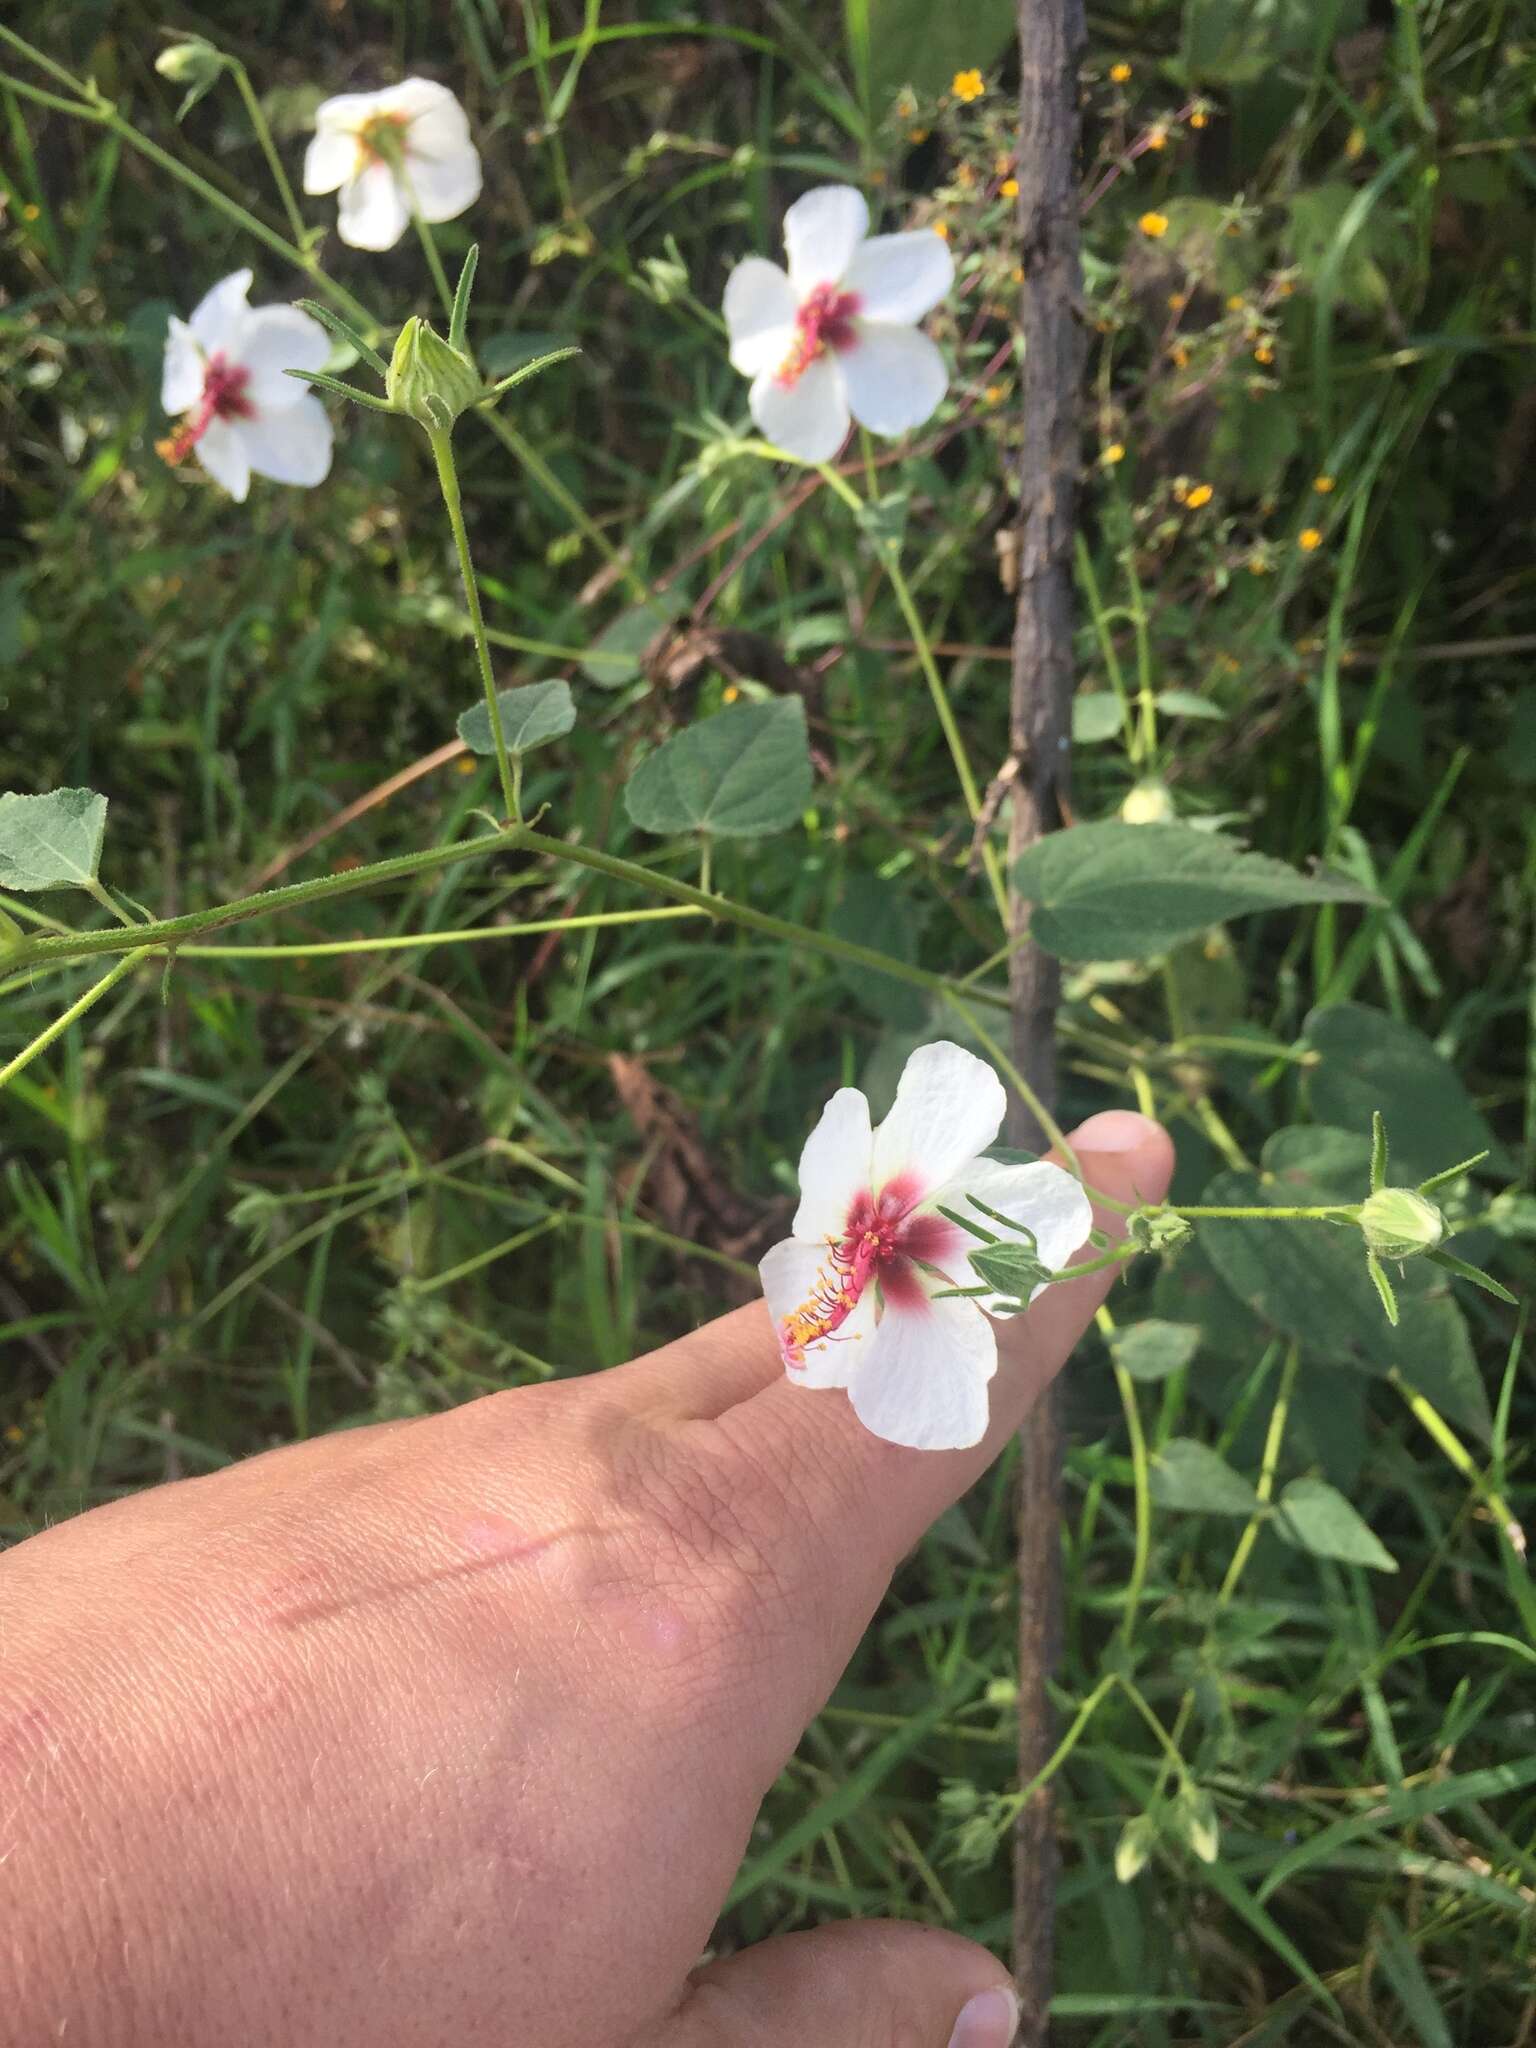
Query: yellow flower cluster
<point>968,86</point>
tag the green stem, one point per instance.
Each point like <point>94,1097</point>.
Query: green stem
<point>890,562</point>
<point>404,942</point>
<point>1451,1444</point>
<point>448,479</point>
<point>167,933</point>
<point>76,1010</point>
<point>1260,1212</point>
<point>1085,1713</point>
<point>428,242</point>
<point>263,134</point>
<point>1143,1494</point>
<point>1266,1486</point>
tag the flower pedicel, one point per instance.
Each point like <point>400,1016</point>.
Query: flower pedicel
<point>859,1294</point>
<point>835,337</point>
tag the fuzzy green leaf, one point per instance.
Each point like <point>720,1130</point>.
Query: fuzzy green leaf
<point>743,772</point>
<point>1126,892</point>
<point>1190,1475</point>
<point>52,841</point>
<point>1316,1517</point>
<point>530,716</point>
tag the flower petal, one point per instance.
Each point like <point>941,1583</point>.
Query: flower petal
<point>423,100</point>
<point>292,446</point>
<point>345,112</point>
<point>181,378</point>
<point>924,1384</point>
<point>220,315</point>
<point>894,376</point>
<point>333,156</point>
<point>900,277</point>
<point>1045,1198</point>
<point>444,182</point>
<point>821,232</point>
<point>373,213</point>
<point>760,306</point>
<point>277,339</point>
<point>808,418</point>
<point>221,451</point>
<point>834,1167</point>
<point>792,1274</point>
<point>949,1106</point>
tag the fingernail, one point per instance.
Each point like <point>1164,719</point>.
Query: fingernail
<point>1115,1130</point>
<point>989,2020</point>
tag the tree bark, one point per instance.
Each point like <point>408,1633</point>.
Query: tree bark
<point>1050,42</point>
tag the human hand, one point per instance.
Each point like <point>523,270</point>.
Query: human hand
<point>455,1729</point>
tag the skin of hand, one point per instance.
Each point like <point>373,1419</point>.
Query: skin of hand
<point>454,1730</point>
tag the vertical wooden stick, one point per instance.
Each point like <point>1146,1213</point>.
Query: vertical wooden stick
<point>1050,41</point>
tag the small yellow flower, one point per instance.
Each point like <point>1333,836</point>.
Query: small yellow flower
<point>1009,188</point>
<point>1178,355</point>
<point>995,393</point>
<point>1199,118</point>
<point>1177,301</point>
<point>1018,273</point>
<point>1309,539</point>
<point>1114,453</point>
<point>30,212</point>
<point>1202,494</point>
<point>964,175</point>
<point>1120,73</point>
<point>730,693</point>
<point>1322,484</point>
<point>464,765</point>
<point>1157,138</point>
<point>15,1435</point>
<point>917,134</point>
<point>1263,353</point>
<point>1257,566</point>
<point>1153,224</point>
<point>1236,303</point>
<point>1355,146</point>
<point>967,85</point>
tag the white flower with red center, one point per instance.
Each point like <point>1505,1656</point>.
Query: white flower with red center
<point>393,153</point>
<point>225,377</point>
<point>835,337</point>
<point>857,1294</point>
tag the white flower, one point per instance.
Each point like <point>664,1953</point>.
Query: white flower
<point>224,374</point>
<point>852,1293</point>
<point>837,335</point>
<point>403,150</point>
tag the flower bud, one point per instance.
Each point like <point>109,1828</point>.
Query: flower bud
<point>1398,1224</point>
<point>430,380</point>
<point>1148,804</point>
<point>195,62</point>
<point>1138,1838</point>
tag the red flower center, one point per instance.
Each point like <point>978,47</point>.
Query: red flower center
<point>825,320</point>
<point>223,398</point>
<point>882,1240</point>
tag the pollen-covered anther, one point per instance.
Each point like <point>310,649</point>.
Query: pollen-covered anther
<point>825,319</point>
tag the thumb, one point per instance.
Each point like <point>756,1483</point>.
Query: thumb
<point>858,1984</point>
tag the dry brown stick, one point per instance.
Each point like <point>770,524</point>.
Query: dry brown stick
<point>1050,40</point>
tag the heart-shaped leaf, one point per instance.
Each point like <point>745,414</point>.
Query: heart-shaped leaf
<point>743,772</point>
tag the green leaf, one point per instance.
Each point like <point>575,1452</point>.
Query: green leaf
<point>1401,1967</point>
<point>1316,1517</point>
<point>529,716</point>
<point>912,42</point>
<point>1125,892</point>
<point>615,656</point>
<point>1185,704</point>
<point>1190,1475</point>
<point>1096,716</point>
<point>52,841</point>
<point>1309,1281</point>
<point>741,773</point>
<point>1153,1349</point>
<point>1369,1061</point>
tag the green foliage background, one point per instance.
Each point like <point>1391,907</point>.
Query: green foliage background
<point>268,1204</point>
